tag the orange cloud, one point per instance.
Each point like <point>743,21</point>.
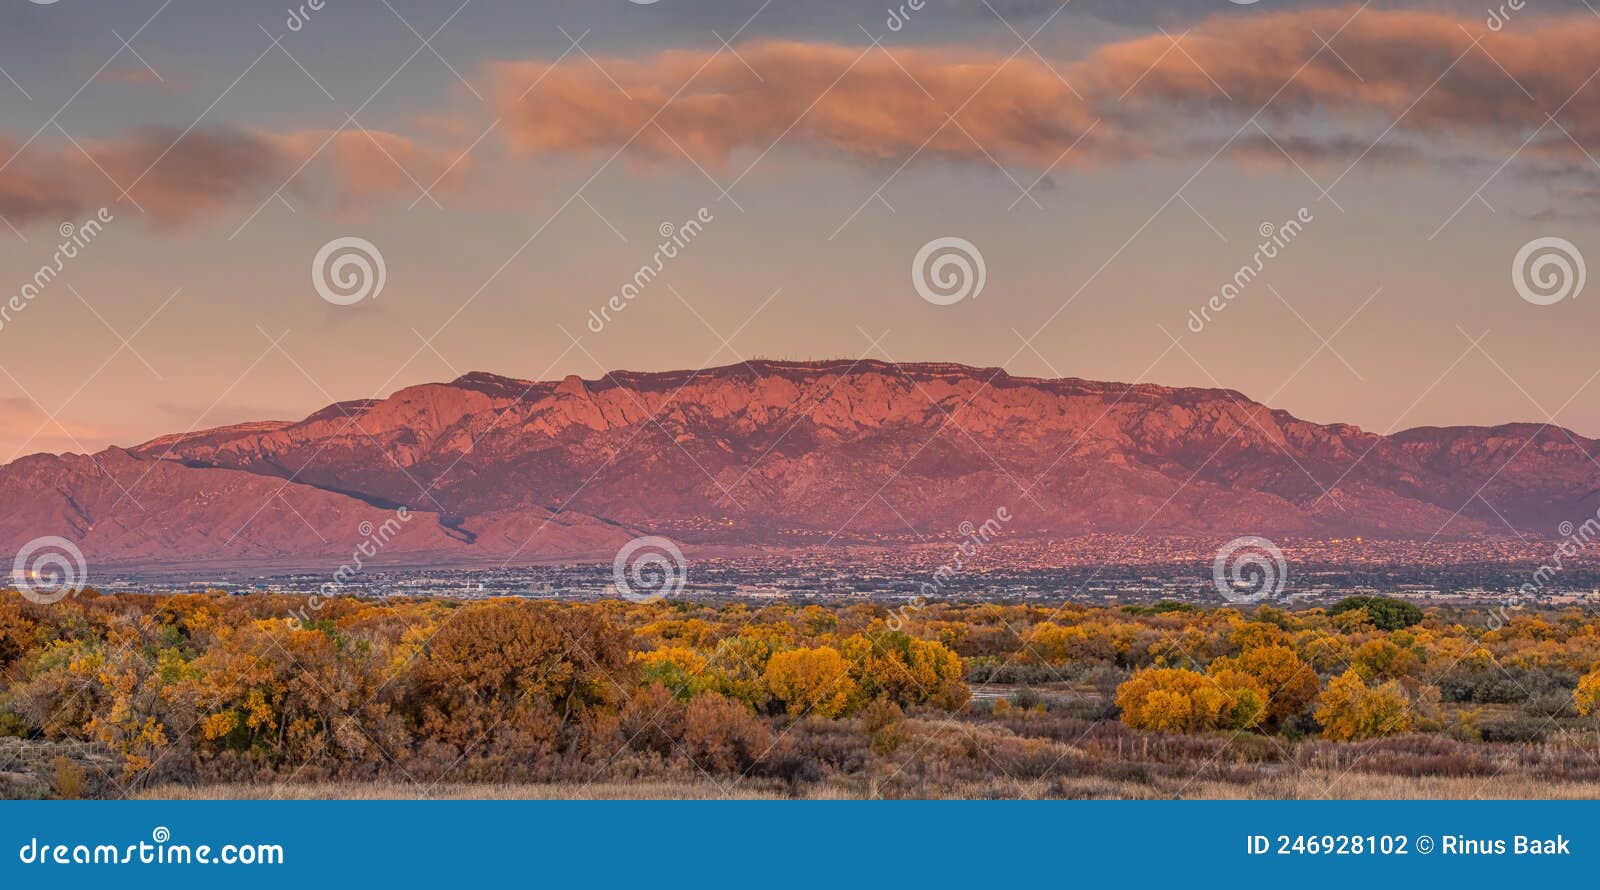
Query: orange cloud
<point>370,167</point>
<point>178,177</point>
<point>1418,68</point>
<point>1150,99</point>
<point>874,106</point>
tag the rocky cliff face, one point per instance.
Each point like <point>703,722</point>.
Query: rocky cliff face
<point>491,467</point>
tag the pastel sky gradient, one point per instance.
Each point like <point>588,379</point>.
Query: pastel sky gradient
<point>1115,170</point>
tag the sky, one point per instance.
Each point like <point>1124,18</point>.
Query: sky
<point>1390,202</point>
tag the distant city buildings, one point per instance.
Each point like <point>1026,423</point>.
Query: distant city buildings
<point>1109,569</point>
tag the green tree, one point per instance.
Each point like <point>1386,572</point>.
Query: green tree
<point>1386,613</point>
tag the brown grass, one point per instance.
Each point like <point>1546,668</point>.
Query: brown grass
<point>423,791</point>
<point>1308,785</point>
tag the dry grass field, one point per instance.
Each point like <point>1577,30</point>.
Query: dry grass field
<point>1309,785</point>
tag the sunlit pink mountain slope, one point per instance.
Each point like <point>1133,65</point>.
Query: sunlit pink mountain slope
<point>774,453</point>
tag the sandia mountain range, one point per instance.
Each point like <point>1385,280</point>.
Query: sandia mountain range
<point>770,453</point>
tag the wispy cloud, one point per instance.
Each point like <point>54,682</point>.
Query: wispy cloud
<point>842,99</point>
<point>1398,87</point>
<point>1420,71</point>
<point>178,177</point>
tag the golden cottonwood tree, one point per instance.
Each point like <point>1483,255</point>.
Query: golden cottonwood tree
<point>1176,700</point>
<point>813,681</point>
<point>1291,684</point>
<point>1352,710</point>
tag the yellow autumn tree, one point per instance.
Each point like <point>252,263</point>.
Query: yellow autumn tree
<point>905,670</point>
<point>737,669</point>
<point>1257,634</point>
<point>1351,710</point>
<point>1175,700</point>
<point>1587,696</point>
<point>1383,660</point>
<point>815,681</point>
<point>678,668</point>
<point>1291,684</point>
<point>1056,644</point>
